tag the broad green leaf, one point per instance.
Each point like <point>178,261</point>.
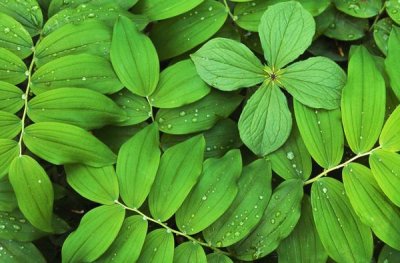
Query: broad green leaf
<point>179,85</point>
<point>265,122</point>
<point>94,235</point>
<point>58,5</point>
<point>316,82</point>
<point>86,108</point>
<point>8,201</point>
<point>228,65</point>
<point>9,150</point>
<point>99,185</point>
<point>393,10</point>
<point>162,9</point>
<point>10,125</point>
<point>137,109</point>
<point>286,31</point>
<point>303,244</point>
<point>343,236</point>
<point>363,101</point>
<point>158,247</point>
<point>359,8</point>
<point>73,40</point>
<point>129,242</point>
<point>15,38</point>
<point>247,208</point>
<point>17,252</point>
<point>278,221</point>
<point>26,12</point>
<point>12,69</point>
<point>371,205</point>
<point>389,255</point>
<point>189,252</point>
<point>382,31</point>
<point>92,72</point>
<point>315,7</point>
<point>198,116</point>
<point>11,97</point>
<point>385,167</point>
<point>137,165</point>
<point>177,35</point>
<point>60,143</point>
<point>322,133</point>
<point>218,258</point>
<point>33,190</point>
<point>179,170</point>
<point>392,60</point>
<point>292,160</point>
<point>390,135</point>
<point>212,195</point>
<point>134,58</point>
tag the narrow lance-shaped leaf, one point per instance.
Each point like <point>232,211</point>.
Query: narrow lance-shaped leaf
<point>158,247</point>
<point>390,135</point>
<point>9,150</point>
<point>189,252</point>
<point>392,60</point>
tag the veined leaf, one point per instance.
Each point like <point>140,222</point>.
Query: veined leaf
<point>265,122</point>
<point>94,235</point>
<point>371,205</point>
<point>12,69</point>
<point>179,169</point>
<point>363,101</point>
<point>86,108</point>
<point>11,97</point>
<point>382,31</point>
<point>8,201</point>
<point>162,9</point>
<point>278,221</point>
<point>10,125</point>
<point>316,82</point>
<point>177,35</point>
<point>99,185</point>
<point>218,258</point>
<point>390,135</point>
<point>286,31</point>
<point>392,9</point>
<point>228,65</point>
<point>322,133</point>
<point>33,190</point>
<point>9,150</point>
<point>64,144</point>
<point>189,252</point>
<point>137,165</point>
<point>254,192</point>
<point>179,85</point>
<point>134,58</point>
<point>212,195</point>
<point>15,251</point>
<point>158,247</point>
<point>344,237</point>
<point>392,60</point>
<point>59,5</point>
<point>388,255</point>
<point>359,8</point>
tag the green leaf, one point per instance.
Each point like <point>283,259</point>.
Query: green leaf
<point>265,122</point>
<point>247,208</point>
<point>162,9</point>
<point>286,31</point>
<point>137,165</point>
<point>228,65</point>
<point>392,60</point>
<point>218,258</point>
<point>388,255</point>
<point>363,101</point>
<point>15,37</point>
<point>92,72</point>
<point>344,237</point>
<point>179,170</point>
<point>87,109</point>
<point>179,85</point>
<point>390,135</point>
<point>359,8</point>
<point>14,252</point>
<point>303,244</point>
<point>129,242</point>
<point>58,5</point>
<point>33,190</point>
<point>322,133</point>
<point>371,205</point>
<point>73,40</point>
<point>177,35</point>
<point>385,167</point>
<point>10,125</point>
<point>9,150</point>
<point>316,82</point>
<point>64,144</point>
<point>99,185</point>
<point>94,235</point>
<point>11,97</point>
<point>8,201</point>
<point>198,116</point>
<point>292,160</point>
<point>12,68</point>
<point>315,7</point>
<point>393,10</point>
<point>278,221</point>
<point>212,195</point>
<point>189,252</point>
<point>158,247</point>
<point>382,31</point>
<point>134,58</point>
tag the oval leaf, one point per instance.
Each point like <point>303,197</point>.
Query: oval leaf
<point>12,69</point>
<point>11,97</point>
<point>9,150</point>
<point>15,252</point>
<point>189,252</point>
<point>162,9</point>
<point>392,60</point>
<point>390,135</point>
<point>10,125</point>
<point>158,247</point>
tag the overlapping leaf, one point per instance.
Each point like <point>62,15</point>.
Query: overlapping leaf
<point>189,252</point>
<point>158,247</point>
<point>390,135</point>
<point>11,97</point>
<point>163,9</point>
<point>12,69</point>
<point>10,125</point>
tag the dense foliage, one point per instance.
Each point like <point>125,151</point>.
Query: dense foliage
<point>199,131</point>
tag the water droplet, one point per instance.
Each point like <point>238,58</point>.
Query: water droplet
<point>2,226</point>
<point>202,18</point>
<point>237,234</point>
<point>210,8</point>
<point>272,221</point>
<point>39,181</point>
<point>169,126</point>
<point>91,15</point>
<point>204,198</point>
<point>194,120</point>
<point>261,197</point>
<point>16,227</point>
<point>6,30</point>
<point>332,26</point>
<point>290,155</point>
<point>277,214</point>
<point>182,113</point>
<point>83,78</point>
<point>161,120</point>
<point>325,190</point>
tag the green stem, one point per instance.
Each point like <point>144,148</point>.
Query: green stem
<point>151,108</point>
<point>228,10</point>
<point>377,17</point>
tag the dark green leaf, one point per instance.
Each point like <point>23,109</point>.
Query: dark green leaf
<point>393,10</point>
<point>359,8</point>
<point>8,201</point>
<point>381,33</point>
<point>389,255</point>
<point>162,9</point>
<point>18,252</point>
